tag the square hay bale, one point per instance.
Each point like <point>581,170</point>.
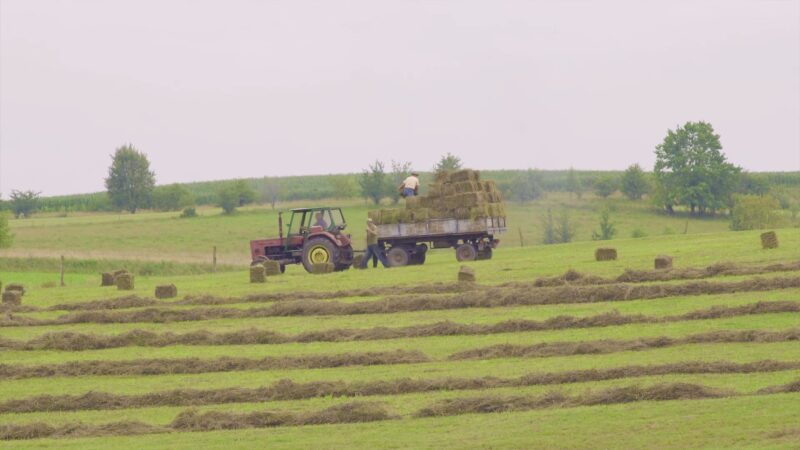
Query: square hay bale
<point>769,240</point>
<point>375,215</point>
<point>440,213</point>
<point>118,272</point>
<point>106,279</point>
<point>663,262</point>
<point>470,199</point>
<point>434,190</point>
<point>489,185</point>
<point>321,268</point>
<point>258,274</point>
<point>389,216</point>
<point>357,259</point>
<point>405,216</point>
<point>448,190</point>
<point>15,287</point>
<point>442,176</point>
<point>465,175</point>
<point>466,274</point>
<point>464,187</point>
<point>496,209</point>
<point>124,281</point>
<point>12,298</point>
<point>413,202</point>
<point>479,212</point>
<point>166,291</point>
<point>271,267</point>
<point>421,215</point>
<point>605,254</point>
<point>461,213</point>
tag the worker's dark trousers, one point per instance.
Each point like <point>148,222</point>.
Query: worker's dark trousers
<point>375,250</point>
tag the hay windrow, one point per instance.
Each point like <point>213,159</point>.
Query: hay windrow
<point>71,341</point>
<point>794,386</point>
<point>483,298</point>
<point>289,390</point>
<point>197,365</point>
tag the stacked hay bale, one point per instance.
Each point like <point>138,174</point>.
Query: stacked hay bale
<point>272,267</point>
<point>769,240</point>
<point>605,254</point>
<point>124,281</point>
<point>13,294</point>
<point>663,262</point>
<point>110,278</point>
<point>258,274</point>
<point>166,291</point>
<point>452,195</point>
<point>16,287</point>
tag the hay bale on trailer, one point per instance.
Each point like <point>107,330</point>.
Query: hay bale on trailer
<point>271,267</point>
<point>321,268</point>
<point>605,254</point>
<point>663,262</point>
<point>15,287</point>
<point>124,281</point>
<point>166,291</point>
<point>769,240</point>
<point>258,274</point>
<point>12,298</point>
<point>466,274</point>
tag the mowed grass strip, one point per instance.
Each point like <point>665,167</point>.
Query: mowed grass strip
<point>70,341</point>
<point>481,299</point>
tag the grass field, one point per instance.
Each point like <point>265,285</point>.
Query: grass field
<point>404,357</point>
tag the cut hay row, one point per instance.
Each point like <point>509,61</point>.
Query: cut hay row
<point>359,412</point>
<point>288,390</point>
<point>197,365</point>
<point>72,341</point>
<point>485,298</point>
<point>225,364</point>
<point>550,349</point>
<point>569,278</point>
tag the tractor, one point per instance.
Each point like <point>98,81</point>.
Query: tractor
<point>313,236</point>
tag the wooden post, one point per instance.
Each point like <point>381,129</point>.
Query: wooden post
<point>214,261</point>
<point>521,241</point>
<point>62,271</point>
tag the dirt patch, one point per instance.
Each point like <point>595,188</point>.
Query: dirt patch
<point>289,390</point>
<point>196,365</point>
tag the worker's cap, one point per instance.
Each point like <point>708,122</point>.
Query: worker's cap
<point>415,173</point>
<point>369,220</point>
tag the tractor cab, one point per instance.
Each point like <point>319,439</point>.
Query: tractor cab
<point>313,236</point>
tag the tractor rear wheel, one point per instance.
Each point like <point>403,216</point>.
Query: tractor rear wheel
<point>466,252</point>
<point>319,251</point>
<point>398,257</point>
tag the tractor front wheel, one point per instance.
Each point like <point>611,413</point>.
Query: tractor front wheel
<point>319,251</point>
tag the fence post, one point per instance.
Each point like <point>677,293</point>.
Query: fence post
<point>214,261</point>
<point>62,271</point>
<point>521,241</point>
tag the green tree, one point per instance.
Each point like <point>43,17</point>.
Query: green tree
<point>560,230</point>
<point>375,183</point>
<point>605,185</point>
<point>6,238</point>
<point>173,197</point>
<point>130,181</point>
<point>751,212</point>
<point>634,182</point>
<point>527,186</point>
<point>565,229</point>
<point>228,198</point>
<point>244,192</point>
<point>607,228</point>
<point>691,170</point>
<point>271,191</point>
<point>448,162</point>
<point>574,183</point>
<point>24,203</point>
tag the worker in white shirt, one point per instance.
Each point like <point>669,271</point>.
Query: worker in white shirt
<point>411,185</point>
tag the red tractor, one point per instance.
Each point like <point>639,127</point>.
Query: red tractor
<point>319,238</point>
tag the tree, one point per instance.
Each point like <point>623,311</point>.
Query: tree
<point>448,162</point>
<point>691,170</point>
<point>228,198</point>
<point>605,185</point>
<point>634,182</point>
<point>245,194</point>
<point>374,182</point>
<point>752,212</point>
<point>574,184</point>
<point>24,203</point>
<point>271,191</point>
<point>400,170</point>
<point>130,181</point>
<point>6,238</point>
<point>558,232</point>
<point>527,186</point>
<point>173,197</point>
<point>607,228</point>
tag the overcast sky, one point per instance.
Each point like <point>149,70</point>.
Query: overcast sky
<point>237,88</point>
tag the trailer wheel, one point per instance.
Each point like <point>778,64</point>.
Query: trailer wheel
<point>418,259</point>
<point>486,253</point>
<point>319,251</point>
<point>398,257</point>
<point>466,252</point>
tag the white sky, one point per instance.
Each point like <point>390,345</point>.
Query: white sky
<point>225,89</point>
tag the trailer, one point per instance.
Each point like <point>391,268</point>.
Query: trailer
<point>407,243</point>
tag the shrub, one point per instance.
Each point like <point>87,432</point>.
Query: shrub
<point>6,238</point>
<point>605,186</point>
<point>228,199</point>
<point>634,183</point>
<point>172,197</point>
<point>558,232</point>
<point>638,233</point>
<point>752,212</point>
<point>188,212</point>
<point>607,228</point>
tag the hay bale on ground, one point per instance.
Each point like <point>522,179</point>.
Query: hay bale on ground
<point>12,298</point>
<point>466,274</point>
<point>605,254</point>
<point>769,240</point>
<point>16,287</point>
<point>271,267</point>
<point>124,281</point>
<point>321,268</point>
<point>357,259</point>
<point>663,262</point>
<point>106,279</point>
<point>258,274</point>
<point>118,272</point>
<point>166,291</point>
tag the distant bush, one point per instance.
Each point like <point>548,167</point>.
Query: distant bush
<point>172,197</point>
<point>6,238</point>
<point>607,228</point>
<point>527,186</point>
<point>634,183</point>
<point>751,212</point>
<point>638,233</point>
<point>560,231</point>
<point>605,186</point>
<point>188,212</point>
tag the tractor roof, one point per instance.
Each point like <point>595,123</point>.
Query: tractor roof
<point>312,209</point>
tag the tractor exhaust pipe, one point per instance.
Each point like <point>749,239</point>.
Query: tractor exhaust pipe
<point>280,225</point>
